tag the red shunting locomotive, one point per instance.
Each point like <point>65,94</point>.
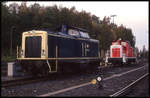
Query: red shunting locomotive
<point>121,52</point>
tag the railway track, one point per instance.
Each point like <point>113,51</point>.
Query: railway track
<point>62,85</point>
<point>89,83</point>
<point>28,80</point>
<point>22,81</point>
<point>126,89</point>
<point>33,79</point>
<point>4,70</point>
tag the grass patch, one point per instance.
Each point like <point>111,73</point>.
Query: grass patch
<point>8,58</point>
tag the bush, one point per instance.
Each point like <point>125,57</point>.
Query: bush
<point>8,58</point>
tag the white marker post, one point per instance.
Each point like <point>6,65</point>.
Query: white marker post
<point>11,69</point>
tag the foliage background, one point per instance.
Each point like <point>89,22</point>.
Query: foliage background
<point>38,17</point>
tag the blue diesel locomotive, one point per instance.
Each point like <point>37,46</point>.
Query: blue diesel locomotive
<point>69,49</point>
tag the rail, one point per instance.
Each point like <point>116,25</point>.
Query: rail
<point>22,81</point>
<point>125,89</point>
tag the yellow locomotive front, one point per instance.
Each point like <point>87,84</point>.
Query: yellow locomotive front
<point>34,46</point>
<point>33,53</point>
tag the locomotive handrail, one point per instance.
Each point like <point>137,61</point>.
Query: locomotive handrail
<point>49,66</point>
<point>17,51</point>
<point>56,63</point>
<point>56,57</point>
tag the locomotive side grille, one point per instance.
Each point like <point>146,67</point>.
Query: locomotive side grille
<point>33,46</point>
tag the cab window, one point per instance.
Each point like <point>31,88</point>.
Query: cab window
<point>73,32</point>
<point>84,34</point>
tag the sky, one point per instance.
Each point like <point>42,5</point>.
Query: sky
<point>133,15</point>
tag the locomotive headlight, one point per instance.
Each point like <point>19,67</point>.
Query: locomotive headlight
<point>21,52</point>
<point>43,52</point>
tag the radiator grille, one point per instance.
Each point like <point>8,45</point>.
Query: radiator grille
<point>116,52</point>
<point>33,46</point>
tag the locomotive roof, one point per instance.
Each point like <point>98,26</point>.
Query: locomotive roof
<point>67,35</point>
<point>68,27</point>
<point>57,31</point>
<point>81,29</point>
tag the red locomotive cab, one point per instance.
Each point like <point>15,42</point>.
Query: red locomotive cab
<point>130,52</point>
<point>119,41</point>
<point>124,48</point>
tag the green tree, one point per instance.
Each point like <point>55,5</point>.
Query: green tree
<point>38,17</point>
